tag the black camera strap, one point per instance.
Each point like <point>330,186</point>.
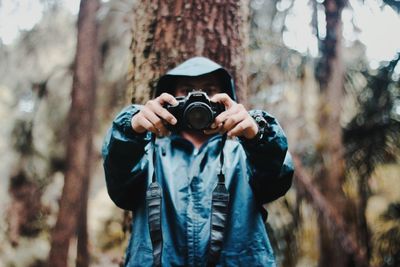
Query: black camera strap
<point>219,212</point>
<point>153,201</point>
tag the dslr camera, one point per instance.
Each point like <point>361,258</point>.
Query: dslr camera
<point>194,112</point>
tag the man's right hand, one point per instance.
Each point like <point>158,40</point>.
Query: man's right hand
<point>151,116</point>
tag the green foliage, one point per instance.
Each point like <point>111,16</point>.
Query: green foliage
<point>388,236</point>
<point>372,136</point>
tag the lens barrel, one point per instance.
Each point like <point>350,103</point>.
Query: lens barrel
<point>195,112</point>
<point>198,116</point>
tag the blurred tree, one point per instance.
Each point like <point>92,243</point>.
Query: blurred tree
<point>273,71</point>
<point>372,136</point>
<point>26,188</point>
<point>331,173</point>
<point>329,215</point>
<point>73,203</point>
<point>166,33</point>
<point>35,71</point>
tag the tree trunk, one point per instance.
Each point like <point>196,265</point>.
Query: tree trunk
<point>83,256</point>
<point>165,33</point>
<point>331,176</point>
<point>79,144</point>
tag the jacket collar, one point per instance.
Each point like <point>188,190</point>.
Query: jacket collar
<point>181,143</point>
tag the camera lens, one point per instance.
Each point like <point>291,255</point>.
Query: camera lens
<point>198,116</point>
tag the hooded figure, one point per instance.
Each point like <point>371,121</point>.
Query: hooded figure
<point>195,67</point>
<point>196,205</point>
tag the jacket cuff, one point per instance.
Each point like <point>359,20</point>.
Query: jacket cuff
<point>267,132</point>
<point>123,122</point>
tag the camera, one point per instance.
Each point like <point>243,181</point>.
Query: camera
<point>194,112</point>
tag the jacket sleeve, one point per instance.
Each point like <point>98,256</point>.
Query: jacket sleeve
<point>124,161</point>
<point>270,162</point>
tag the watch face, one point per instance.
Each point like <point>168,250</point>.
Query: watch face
<point>262,125</point>
<point>260,121</point>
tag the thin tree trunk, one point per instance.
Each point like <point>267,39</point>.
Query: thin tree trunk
<point>83,255</point>
<point>331,176</point>
<point>327,212</point>
<point>79,144</point>
<point>166,33</point>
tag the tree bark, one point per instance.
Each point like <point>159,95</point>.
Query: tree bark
<point>165,33</point>
<point>79,143</point>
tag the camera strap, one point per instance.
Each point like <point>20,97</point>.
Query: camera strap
<point>153,201</point>
<point>219,212</point>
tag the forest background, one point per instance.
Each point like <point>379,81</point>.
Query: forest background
<point>328,70</point>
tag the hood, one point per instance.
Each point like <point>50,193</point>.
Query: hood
<point>193,67</point>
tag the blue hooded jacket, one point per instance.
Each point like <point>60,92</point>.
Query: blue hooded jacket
<point>256,171</point>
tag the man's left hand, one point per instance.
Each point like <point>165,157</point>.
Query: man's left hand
<point>235,120</point>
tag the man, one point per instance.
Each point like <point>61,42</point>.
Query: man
<point>196,195</point>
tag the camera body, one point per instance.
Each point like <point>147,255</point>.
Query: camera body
<point>194,112</point>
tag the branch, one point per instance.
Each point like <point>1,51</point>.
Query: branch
<point>329,213</point>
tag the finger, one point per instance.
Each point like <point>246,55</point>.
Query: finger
<point>167,98</point>
<point>233,120</point>
<point>240,128</point>
<point>220,128</point>
<point>221,118</point>
<point>155,120</point>
<point>213,130</point>
<point>224,99</point>
<point>147,124</point>
<point>136,125</point>
<point>161,112</point>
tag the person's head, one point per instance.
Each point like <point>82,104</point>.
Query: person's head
<point>209,83</point>
<point>196,73</point>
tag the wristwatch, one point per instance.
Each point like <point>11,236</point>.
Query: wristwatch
<point>261,124</point>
